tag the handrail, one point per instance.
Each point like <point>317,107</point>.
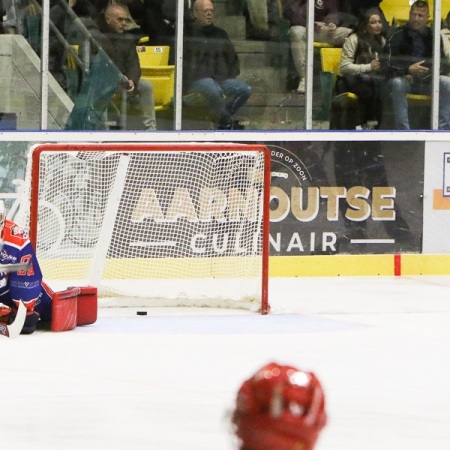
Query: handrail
<point>81,27</point>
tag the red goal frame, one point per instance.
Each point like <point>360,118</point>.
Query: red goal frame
<point>135,147</point>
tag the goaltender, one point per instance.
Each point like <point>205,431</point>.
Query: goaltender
<point>22,285</point>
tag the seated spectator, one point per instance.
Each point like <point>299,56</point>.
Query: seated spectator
<point>156,25</point>
<point>359,9</point>
<point>409,55</point>
<point>14,16</point>
<point>360,68</point>
<point>135,12</point>
<point>159,20</point>
<point>23,17</point>
<point>132,25</point>
<point>211,65</point>
<point>326,29</point>
<point>261,19</point>
<point>121,48</point>
<point>61,18</point>
<point>445,41</point>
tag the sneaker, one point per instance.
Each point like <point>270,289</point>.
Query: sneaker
<point>370,125</point>
<point>238,125</point>
<point>301,87</point>
<point>225,126</point>
<point>149,124</point>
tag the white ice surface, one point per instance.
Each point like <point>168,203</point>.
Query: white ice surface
<point>167,381</point>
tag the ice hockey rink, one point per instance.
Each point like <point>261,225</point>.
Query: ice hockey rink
<point>167,381</point>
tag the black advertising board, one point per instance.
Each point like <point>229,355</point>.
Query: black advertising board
<point>346,197</point>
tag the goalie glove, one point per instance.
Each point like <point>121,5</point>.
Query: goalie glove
<point>5,311</point>
<point>32,317</point>
<point>29,304</point>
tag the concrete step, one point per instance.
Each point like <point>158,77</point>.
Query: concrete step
<point>287,99</point>
<point>270,118</point>
<point>251,60</point>
<point>274,108</point>
<point>250,46</point>
<point>233,25</point>
<point>220,8</point>
<point>265,79</point>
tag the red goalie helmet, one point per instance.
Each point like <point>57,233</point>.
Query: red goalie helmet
<point>279,408</point>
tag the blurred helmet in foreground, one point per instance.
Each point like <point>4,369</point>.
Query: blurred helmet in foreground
<point>279,408</point>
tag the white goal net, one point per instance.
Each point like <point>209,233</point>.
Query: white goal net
<point>168,224</point>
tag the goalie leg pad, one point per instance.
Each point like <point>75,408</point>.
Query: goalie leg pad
<point>73,307</point>
<point>87,306</point>
<point>64,310</point>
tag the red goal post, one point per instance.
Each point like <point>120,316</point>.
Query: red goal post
<point>161,224</point>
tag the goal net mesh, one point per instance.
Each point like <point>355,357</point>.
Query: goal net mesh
<point>176,225</point>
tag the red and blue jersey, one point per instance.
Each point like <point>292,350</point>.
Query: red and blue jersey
<point>23,285</point>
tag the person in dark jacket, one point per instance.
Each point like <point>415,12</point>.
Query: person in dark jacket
<point>159,22</point>
<point>359,8</point>
<point>211,65</point>
<point>69,29</point>
<point>409,54</point>
<point>121,48</point>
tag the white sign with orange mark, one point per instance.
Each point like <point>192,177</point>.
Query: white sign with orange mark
<point>436,198</point>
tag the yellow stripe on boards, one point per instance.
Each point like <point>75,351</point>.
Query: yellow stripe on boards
<point>358,265</point>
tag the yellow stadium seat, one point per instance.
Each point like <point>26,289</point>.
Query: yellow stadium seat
<point>397,11</point>
<point>445,8</point>
<point>154,68</point>
<point>330,60</point>
<point>153,55</point>
<point>71,57</point>
<point>322,45</point>
<point>72,72</point>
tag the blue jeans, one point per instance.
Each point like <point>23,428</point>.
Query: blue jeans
<point>400,86</point>
<point>224,98</point>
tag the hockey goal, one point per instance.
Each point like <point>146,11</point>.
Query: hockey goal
<point>154,224</point>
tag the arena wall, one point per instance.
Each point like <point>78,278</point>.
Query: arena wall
<point>389,180</point>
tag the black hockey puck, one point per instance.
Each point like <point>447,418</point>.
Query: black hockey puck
<point>141,313</point>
